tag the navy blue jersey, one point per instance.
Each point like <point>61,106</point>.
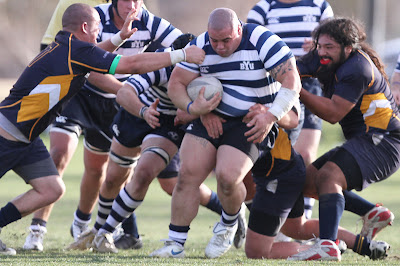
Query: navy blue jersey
<point>48,82</point>
<point>358,81</point>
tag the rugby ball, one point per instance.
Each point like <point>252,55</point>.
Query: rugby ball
<point>212,85</point>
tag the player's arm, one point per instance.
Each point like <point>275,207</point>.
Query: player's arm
<point>118,39</point>
<point>129,100</point>
<point>395,86</point>
<point>288,121</point>
<point>331,110</point>
<point>105,82</point>
<point>148,62</point>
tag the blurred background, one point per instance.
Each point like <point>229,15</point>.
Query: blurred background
<point>24,23</point>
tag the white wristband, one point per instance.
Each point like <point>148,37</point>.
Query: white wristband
<point>116,39</point>
<point>283,103</point>
<point>177,56</point>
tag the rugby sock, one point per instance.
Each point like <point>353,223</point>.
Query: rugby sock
<point>9,214</point>
<point>214,204</point>
<point>130,227</point>
<point>123,206</point>
<point>37,221</point>
<point>308,206</point>
<point>229,219</point>
<point>81,219</point>
<point>331,208</point>
<point>356,204</point>
<point>361,246</point>
<point>104,209</point>
<point>178,233</point>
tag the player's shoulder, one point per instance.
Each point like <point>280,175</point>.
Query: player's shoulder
<point>359,64</point>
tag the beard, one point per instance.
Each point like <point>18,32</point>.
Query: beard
<point>326,74</point>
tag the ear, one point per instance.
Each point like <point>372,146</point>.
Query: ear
<point>240,29</point>
<point>84,27</point>
<point>348,49</point>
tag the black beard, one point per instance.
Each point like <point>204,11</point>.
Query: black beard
<point>326,75</point>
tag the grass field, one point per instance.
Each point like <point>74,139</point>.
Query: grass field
<point>153,220</point>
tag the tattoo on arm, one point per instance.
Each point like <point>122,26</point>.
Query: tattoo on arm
<point>281,69</point>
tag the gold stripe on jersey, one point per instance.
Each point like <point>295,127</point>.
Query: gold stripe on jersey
<point>282,149</point>
<point>44,97</point>
<point>376,110</point>
<point>94,68</point>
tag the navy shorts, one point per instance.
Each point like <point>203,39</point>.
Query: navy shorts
<point>365,159</point>
<point>233,135</point>
<point>307,119</point>
<point>130,130</point>
<point>91,114</point>
<point>172,168</point>
<point>277,194</point>
<point>28,160</point>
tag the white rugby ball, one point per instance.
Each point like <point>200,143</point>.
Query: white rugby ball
<point>212,85</point>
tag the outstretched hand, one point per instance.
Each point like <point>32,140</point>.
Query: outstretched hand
<point>151,115</point>
<point>126,30</point>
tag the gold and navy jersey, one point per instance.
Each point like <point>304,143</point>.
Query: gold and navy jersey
<point>272,162</point>
<point>48,82</point>
<point>358,81</point>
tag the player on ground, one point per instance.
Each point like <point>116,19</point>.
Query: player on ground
<point>293,21</point>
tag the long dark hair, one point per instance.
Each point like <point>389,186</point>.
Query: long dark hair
<point>348,32</point>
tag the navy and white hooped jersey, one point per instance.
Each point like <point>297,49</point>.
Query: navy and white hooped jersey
<point>48,83</point>
<point>292,22</point>
<point>397,69</point>
<point>244,74</point>
<point>150,29</point>
<point>153,85</point>
<point>358,81</point>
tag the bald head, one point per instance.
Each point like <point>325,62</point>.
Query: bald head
<point>77,14</point>
<point>222,18</point>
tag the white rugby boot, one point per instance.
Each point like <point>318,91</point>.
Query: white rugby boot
<point>378,250</point>
<point>34,241</point>
<point>84,240</point>
<point>103,242</point>
<point>221,241</point>
<point>171,249</point>
<point>322,250</point>
<point>375,220</point>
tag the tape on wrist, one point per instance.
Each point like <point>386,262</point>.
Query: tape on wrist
<point>142,110</point>
<point>283,103</point>
<point>116,39</point>
<point>177,56</point>
<point>187,108</point>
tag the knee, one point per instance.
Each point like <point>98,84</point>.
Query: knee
<point>225,181</point>
<point>143,177</point>
<point>55,191</point>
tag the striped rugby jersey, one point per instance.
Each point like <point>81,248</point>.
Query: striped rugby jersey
<point>153,85</point>
<point>292,22</point>
<point>150,29</point>
<point>244,75</point>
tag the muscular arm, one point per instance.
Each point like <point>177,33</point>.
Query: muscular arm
<point>148,62</point>
<point>129,100</point>
<point>177,84</point>
<point>331,110</point>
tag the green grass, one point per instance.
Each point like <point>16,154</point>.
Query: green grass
<point>153,220</point>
